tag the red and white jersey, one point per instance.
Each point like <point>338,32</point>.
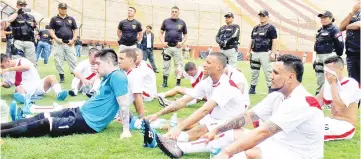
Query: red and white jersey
<point>85,69</point>
<point>22,78</point>
<point>196,78</point>
<point>348,91</point>
<point>150,81</point>
<point>238,77</point>
<point>301,119</point>
<point>225,93</point>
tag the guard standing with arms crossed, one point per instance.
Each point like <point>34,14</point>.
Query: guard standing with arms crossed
<point>227,38</point>
<point>352,26</point>
<point>129,31</point>
<point>23,25</point>
<point>264,39</point>
<point>64,31</point>
<point>175,30</point>
<point>328,39</point>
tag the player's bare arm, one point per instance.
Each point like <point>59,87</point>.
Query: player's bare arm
<point>139,105</point>
<point>177,105</point>
<point>354,26</point>
<point>198,114</point>
<point>21,68</point>
<point>252,138</point>
<point>238,122</point>
<point>123,102</point>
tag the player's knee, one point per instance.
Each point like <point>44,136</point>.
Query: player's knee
<point>254,153</point>
<point>19,89</point>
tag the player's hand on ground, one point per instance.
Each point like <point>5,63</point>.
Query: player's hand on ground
<point>174,133</point>
<point>222,155</point>
<point>125,134</point>
<point>209,136</point>
<point>152,117</point>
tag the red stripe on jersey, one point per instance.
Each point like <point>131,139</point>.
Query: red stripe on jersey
<point>129,72</point>
<point>312,101</point>
<point>230,76</point>
<point>217,84</point>
<point>328,137</point>
<point>146,94</point>
<point>327,102</point>
<point>233,84</point>
<point>18,76</point>
<point>198,79</point>
<point>149,66</point>
<point>344,82</point>
<point>90,76</point>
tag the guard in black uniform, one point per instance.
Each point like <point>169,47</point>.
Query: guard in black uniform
<point>328,40</point>
<point>352,26</point>
<point>227,38</point>
<point>261,48</point>
<point>23,25</point>
<point>129,31</point>
<point>175,36</point>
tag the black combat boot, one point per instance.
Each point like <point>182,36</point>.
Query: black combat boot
<point>165,81</point>
<point>252,90</point>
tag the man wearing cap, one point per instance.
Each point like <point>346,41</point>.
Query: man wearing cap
<point>23,25</point>
<point>63,30</point>
<point>328,40</point>
<point>174,37</point>
<point>129,31</point>
<point>352,26</point>
<point>264,40</point>
<point>227,38</point>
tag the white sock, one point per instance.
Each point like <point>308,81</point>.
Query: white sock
<point>161,95</point>
<point>57,88</point>
<point>199,145</point>
<point>194,101</point>
<point>138,124</point>
<point>158,124</point>
<point>183,137</point>
<point>75,83</point>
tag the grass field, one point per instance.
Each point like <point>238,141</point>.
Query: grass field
<point>107,143</point>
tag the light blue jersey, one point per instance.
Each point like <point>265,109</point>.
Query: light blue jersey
<point>100,110</point>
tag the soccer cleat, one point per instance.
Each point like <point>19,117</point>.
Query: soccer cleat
<point>90,94</point>
<point>20,114</point>
<point>150,135</point>
<point>73,93</point>
<point>132,121</point>
<point>19,97</point>
<point>26,108</point>
<point>169,147</point>
<point>62,95</point>
<point>161,101</point>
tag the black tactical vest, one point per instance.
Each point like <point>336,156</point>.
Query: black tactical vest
<point>23,27</point>
<point>261,42</point>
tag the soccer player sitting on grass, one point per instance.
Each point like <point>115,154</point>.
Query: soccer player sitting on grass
<point>85,80</point>
<point>92,117</point>
<point>224,101</point>
<point>293,127</point>
<point>194,74</point>
<point>22,74</point>
<point>342,94</point>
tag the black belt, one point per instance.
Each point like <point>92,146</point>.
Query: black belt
<point>24,39</point>
<point>128,44</point>
<point>173,44</point>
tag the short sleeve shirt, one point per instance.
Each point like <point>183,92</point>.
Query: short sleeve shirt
<point>238,77</point>
<point>196,78</point>
<point>84,68</point>
<point>63,27</point>
<point>136,83</point>
<point>101,109</point>
<point>150,81</point>
<point>271,33</point>
<point>130,30</point>
<point>174,30</point>
<point>44,36</point>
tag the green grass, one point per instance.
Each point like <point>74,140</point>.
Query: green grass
<point>107,143</point>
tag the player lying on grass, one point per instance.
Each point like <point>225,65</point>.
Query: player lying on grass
<point>342,94</point>
<point>85,80</point>
<point>92,117</point>
<point>293,127</point>
<point>22,74</point>
<point>224,101</point>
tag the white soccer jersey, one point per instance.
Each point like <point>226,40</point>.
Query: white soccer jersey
<point>22,78</point>
<point>349,92</point>
<point>238,77</point>
<point>150,82</point>
<point>135,83</point>
<point>229,99</point>
<point>301,119</point>
<point>84,68</point>
<point>196,78</point>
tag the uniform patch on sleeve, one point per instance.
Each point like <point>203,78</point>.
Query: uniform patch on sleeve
<point>338,34</point>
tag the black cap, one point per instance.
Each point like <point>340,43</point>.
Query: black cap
<point>264,12</point>
<point>63,5</point>
<point>229,14</point>
<point>21,2</point>
<point>326,13</point>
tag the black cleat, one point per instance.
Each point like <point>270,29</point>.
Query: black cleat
<point>150,135</point>
<point>72,93</point>
<point>169,147</point>
<point>90,94</point>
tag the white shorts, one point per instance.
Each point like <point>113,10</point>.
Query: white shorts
<point>271,150</point>
<point>338,129</point>
<point>188,91</point>
<point>147,97</point>
<point>35,89</point>
<point>210,122</point>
